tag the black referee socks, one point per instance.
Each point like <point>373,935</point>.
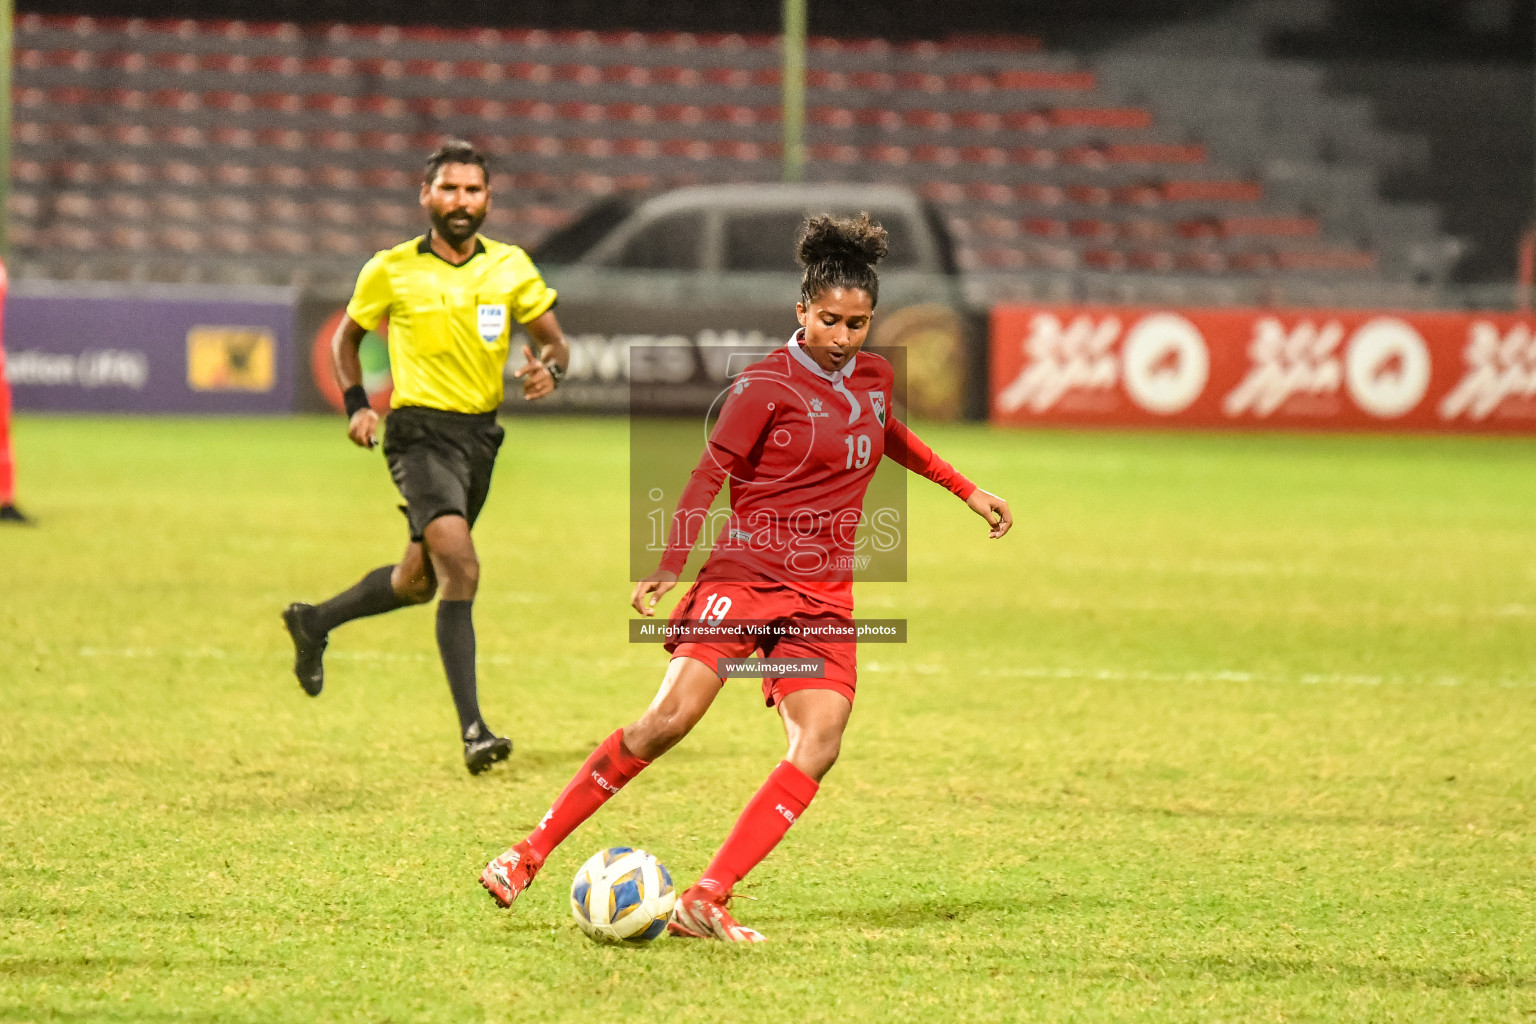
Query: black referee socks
<point>373,595</point>
<point>456,644</point>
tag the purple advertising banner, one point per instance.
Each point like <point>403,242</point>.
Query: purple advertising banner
<point>97,347</point>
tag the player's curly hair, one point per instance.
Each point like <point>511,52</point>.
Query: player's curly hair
<point>840,253</point>
<point>454,151</point>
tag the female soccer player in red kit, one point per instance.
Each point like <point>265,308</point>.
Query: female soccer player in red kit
<point>799,436</point>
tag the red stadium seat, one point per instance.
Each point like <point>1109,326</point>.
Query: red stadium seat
<point>1272,227</point>
<point>1144,229</point>
<point>1104,259</point>
<point>1063,81</point>
<point>629,74</point>
<point>1084,156</point>
<point>232,208</point>
<point>734,78</point>
<point>232,239</point>
<point>973,120</point>
<point>1201,261</point>
<point>1252,262</point>
<point>685,113</point>
<point>1154,153</point>
<point>127,172</point>
<point>1326,260</point>
<point>991,156</point>
<point>889,154</point>
<point>1206,228</point>
<point>677,76</point>
<point>129,237</point>
<point>1213,191</point>
<point>179,238</point>
<point>1045,195</point>
<point>175,99</point>
<point>1045,227</point>
<point>1155,261</point>
<point>1026,121</point>
<point>75,236</point>
<point>944,191</point>
<point>996,227</point>
<point>182,173</point>
<point>285,241</point>
<point>1139,195</point>
<point>1089,195</point>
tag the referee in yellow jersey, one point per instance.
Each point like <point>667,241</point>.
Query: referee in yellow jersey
<point>451,297</point>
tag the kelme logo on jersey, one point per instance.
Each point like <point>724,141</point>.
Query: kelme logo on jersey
<point>816,408</point>
<point>877,399</point>
<point>492,320</point>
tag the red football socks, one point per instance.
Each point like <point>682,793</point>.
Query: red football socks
<point>7,465</point>
<point>764,821</point>
<point>603,774</point>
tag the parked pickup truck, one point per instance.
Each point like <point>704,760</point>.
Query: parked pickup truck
<point>713,266</point>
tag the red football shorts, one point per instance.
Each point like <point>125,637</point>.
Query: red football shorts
<point>725,603</point>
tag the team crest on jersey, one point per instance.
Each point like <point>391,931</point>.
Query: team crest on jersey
<point>492,321</point>
<point>877,399</point>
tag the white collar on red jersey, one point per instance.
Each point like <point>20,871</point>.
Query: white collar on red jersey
<point>797,350</point>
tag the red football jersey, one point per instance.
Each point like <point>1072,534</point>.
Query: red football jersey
<point>799,446</point>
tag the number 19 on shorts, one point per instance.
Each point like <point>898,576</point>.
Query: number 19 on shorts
<point>715,608</point>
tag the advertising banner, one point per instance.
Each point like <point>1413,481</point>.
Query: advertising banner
<point>81,347</point>
<point>664,360</point>
<point>1263,369</point>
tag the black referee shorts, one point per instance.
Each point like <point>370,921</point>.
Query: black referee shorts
<point>441,462</point>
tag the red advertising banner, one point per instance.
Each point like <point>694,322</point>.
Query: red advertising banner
<point>1263,369</point>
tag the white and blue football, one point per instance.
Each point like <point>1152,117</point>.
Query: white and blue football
<point>622,895</point>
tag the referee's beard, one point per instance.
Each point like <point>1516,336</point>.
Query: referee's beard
<point>456,226</point>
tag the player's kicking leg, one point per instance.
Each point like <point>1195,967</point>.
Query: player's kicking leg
<point>814,721</point>
<point>386,588</point>
<point>686,693</point>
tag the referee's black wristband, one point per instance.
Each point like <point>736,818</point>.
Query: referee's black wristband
<point>355,398</point>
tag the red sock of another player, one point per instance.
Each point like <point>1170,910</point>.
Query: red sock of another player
<point>603,774</point>
<point>7,465</point>
<point>764,821</point>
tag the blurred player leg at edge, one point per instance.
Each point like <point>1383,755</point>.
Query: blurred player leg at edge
<point>9,513</point>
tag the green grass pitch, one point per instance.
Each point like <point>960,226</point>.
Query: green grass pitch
<point>1231,728</point>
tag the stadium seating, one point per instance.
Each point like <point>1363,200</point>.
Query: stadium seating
<point>279,153</point>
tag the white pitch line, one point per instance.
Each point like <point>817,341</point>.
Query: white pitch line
<point>215,653</point>
<point>1109,675</point>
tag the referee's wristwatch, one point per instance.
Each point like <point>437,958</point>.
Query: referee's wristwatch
<point>556,372</point>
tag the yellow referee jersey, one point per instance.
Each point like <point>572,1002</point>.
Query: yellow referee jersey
<point>449,327</point>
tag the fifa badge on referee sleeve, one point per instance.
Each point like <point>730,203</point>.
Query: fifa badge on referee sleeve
<point>491,318</point>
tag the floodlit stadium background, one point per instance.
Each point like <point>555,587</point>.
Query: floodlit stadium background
<point>1235,725</point>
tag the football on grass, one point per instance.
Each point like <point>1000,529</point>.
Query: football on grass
<point>622,895</point>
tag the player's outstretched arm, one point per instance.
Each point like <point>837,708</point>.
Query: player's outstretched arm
<point>362,423</point>
<point>909,450</point>
<point>653,587</point>
<point>993,509</point>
